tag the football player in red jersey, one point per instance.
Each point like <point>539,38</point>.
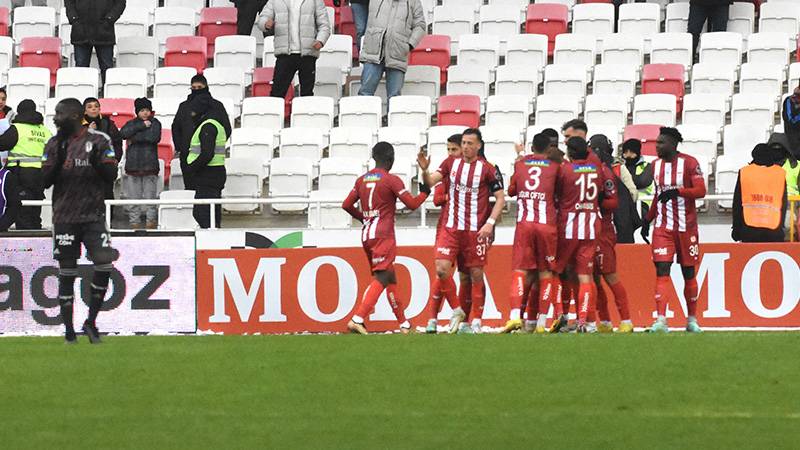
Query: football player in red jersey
<point>582,190</point>
<point>469,222</point>
<point>678,182</point>
<point>443,289</point>
<point>377,192</point>
<point>536,235</point>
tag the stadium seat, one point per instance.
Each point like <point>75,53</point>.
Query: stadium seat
<point>508,110</point>
<point>557,109</point>
<point>236,51</point>
<point>138,52</point>
<point>560,78</point>
<point>722,49</point>
<point>33,21</point>
<point>243,180</point>
<point>741,18</point>
<point>361,111</point>
<point>738,140</point>
<point>145,5</point>
<point>78,82</point>
<point>755,109</point>
<point>664,79</point>
<point>328,215</point>
<point>708,78</point>
<point>254,143</point>
<point>548,19</point>
<point>176,175</point>
<point>437,142</point>
<point>672,48</point>
<point>640,19</point>
<point>612,132</point>
<point>328,82</point>
<point>794,74</point>
<point>49,113</point>
<point>352,142</point>
<point>120,110</point>
<point>405,140</point>
<point>126,82</point>
<point>468,80</point>
<point>725,176</point>
<point>380,92</point>
<point>28,82</point>
<point>405,168</point>
<point>481,50</point>
<point>5,20</point>
<point>530,50</point>
<point>594,19</point>
<point>615,80</point>
<point>781,17</point>
<point>500,21</point>
<point>6,57</point>
<point>646,133</point>
<point>410,111</point>
<point>215,22</point>
<point>575,49</point>
<point>337,52</point>
<point>174,21</point>
<point>768,48</point>
<point>290,177</point>
<point>176,217</point>
<point>654,109</point>
<point>500,141</point>
<point>166,153</point>
<point>459,110</point>
<point>699,139</point>
<point>433,50</point>
<point>313,112</point>
<point>268,52</point>
<point>301,142</point>
<point>762,78</point>
<point>621,48</point>
<point>165,109</point>
<point>186,51</point>
<point>452,22</point>
<point>173,81</point>
<point>132,23</point>
<point>708,110</point>
<point>262,87</point>
<point>339,173</point>
<point>677,17</point>
<point>606,110</point>
<point>227,82</point>
<point>422,80</point>
<point>41,52</point>
<point>196,5</point>
<point>517,80</point>
<point>267,112</point>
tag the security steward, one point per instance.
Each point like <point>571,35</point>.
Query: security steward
<point>779,144</point>
<point>206,159</point>
<point>759,201</point>
<point>642,175</point>
<point>25,140</point>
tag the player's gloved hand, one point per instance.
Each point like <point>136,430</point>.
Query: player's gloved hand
<point>424,188</point>
<point>645,231</point>
<point>670,194</point>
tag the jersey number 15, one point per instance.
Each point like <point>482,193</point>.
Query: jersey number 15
<point>588,186</point>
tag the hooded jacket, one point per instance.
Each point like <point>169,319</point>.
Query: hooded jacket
<point>141,154</point>
<point>394,27</point>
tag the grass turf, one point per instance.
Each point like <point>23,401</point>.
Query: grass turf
<point>717,390</point>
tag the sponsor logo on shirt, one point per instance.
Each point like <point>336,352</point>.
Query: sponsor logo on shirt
<point>464,188</point>
<point>82,163</point>
<point>443,250</point>
<point>371,177</point>
<point>537,162</point>
<point>65,239</point>
<point>662,251</point>
<point>378,260</point>
<point>584,168</point>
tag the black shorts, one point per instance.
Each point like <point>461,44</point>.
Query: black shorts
<point>67,239</point>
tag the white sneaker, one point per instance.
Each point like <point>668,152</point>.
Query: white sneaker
<point>458,317</point>
<point>476,327</point>
<point>591,327</point>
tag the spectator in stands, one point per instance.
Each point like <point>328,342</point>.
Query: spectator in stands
<point>5,111</point>
<point>626,219</point>
<point>301,29</point>
<point>791,121</point>
<point>25,141</point>
<point>246,12</point>
<point>10,203</point>
<point>779,144</point>
<point>759,199</point>
<point>206,158</point>
<point>713,11</point>
<point>393,30</point>
<point>183,126</point>
<point>93,27</point>
<point>641,174</point>
<point>143,134</point>
<point>93,119</point>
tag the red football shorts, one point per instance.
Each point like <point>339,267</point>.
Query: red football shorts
<point>380,252</point>
<point>462,247</point>
<point>576,254</point>
<point>534,247</point>
<point>605,260</point>
<point>667,244</point>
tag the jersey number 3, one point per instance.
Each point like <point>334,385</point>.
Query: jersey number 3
<point>534,174</point>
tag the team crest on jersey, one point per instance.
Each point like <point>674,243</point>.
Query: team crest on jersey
<point>88,147</point>
<point>584,168</point>
<point>371,177</point>
<point>693,239</point>
<point>537,162</point>
<point>609,185</point>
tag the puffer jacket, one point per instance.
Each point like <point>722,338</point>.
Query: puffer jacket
<point>314,25</point>
<point>141,155</point>
<point>93,20</point>
<point>394,27</point>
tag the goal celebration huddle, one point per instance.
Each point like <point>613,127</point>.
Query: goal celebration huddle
<point>565,236</point>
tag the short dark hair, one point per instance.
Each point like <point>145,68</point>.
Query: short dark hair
<point>455,139</point>
<point>72,106</point>
<point>383,153</point>
<point>199,78</point>
<point>576,124</point>
<point>577,148</point>
<point>88,100</point>
<point>3,90</point>
<point>541,142</point>
<point>672,133</point>
<point>474,132</point>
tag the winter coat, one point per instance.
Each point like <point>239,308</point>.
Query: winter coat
<point>394,27</point>
<point>93,20</point>
<point>314,25</point>
<point>107,126</point>
<point>141,155</point>
<point>791,125</point>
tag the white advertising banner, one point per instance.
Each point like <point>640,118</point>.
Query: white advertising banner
<point>152,287</point>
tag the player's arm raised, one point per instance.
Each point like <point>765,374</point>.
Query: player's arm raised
<point>424,162</point>
<point>349,205</point>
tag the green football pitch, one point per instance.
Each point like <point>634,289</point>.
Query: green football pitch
<point>716,390</point>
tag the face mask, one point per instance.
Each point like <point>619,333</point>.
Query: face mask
<point>631,160</point>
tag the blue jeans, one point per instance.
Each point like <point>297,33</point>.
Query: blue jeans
<point>371,75</point>
<point>360,13</point>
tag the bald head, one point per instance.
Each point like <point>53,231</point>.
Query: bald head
<point>68,116</point>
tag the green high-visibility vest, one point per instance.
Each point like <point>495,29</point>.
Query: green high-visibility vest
<point>649,189</point>
<point>30,146</point>
<point>219,147</point>
<point>792,174</point>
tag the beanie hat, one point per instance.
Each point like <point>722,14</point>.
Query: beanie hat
<point>26,106</point>
<point>633,145</point>
<point>763,155</point>
<point>142,103</point>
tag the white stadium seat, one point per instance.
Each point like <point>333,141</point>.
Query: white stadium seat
<point>727,172</point>
<point>268,52</point>
<point>677,19</point>
<point>410,111</point>
<point>351,142</point>
<point>528,50</point>
<point>762,78</point>
<point>265,112</point>
<point>557,109</point>
<point>657,109</point>
<point>517,80</point>
<point>575,49</point>
<point>6,57</point>
<point>331,216</point>
<point>254,143</point>
<point>290,177</point>
<point>621,48</point>
<point>126,82</point>
<point>606,110</point>
<point>595,19</point>
<point>780,16</point>
<point>640,19</point>
<point>193,4</point>
<point>453,21</point>
<point>78,82</point>
<point>132,23</point>
<point>339,173</point>
<point>361,111</point>
<point>741,18</point>
<point>500,141</point>
<point>707,110</point>
<point>165,108</point>
<point>302,142</point>
<point>755,109</point>
<point>236,51</point>
<point>138,52</point>
<point>328,82</point>
<point>337,52</point>
<point>738,140</point>
<point>243,180</point>
<point>405,140</point>
<point>768,48</point>
<point>173,21</point>
<point>422,80</point>
<point>469,80</point>
<point>708,78</point>
<point>312,112</point>
<point>499,20</point>
<point>28,82</point>
<point>672,48</point>
<point>176,217</point>
<point>699,139</point>
<point>479,49</point>
<point>176,175</point>
<point>508,110</point>
<point>227,82</point>
<point>721,49</point>
<point>33,21</point>
<point>615,80</point>
<point>561,78</point>
<point>173,81</point>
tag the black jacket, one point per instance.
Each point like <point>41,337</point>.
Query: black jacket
<point>93,20</point>
<point>741,232</point>
<point>107,126</point>
<point>141,155</point>
<point>791,125</point>
<point>13,203</point>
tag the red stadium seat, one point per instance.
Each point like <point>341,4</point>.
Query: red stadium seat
<point>549,19</point>
<point>459,110</point>
<point>645,133</point>
<point>664,79</point>
<point>120,110</point>
<point>336,13</point>
<point>5,21</point>
<point>166,151</point>
<point>41,52</point>
<point>186,51</point>
<point>347,26</point>
<point>262,87</point>
<point>216,22</point>
<point>433,50</point>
